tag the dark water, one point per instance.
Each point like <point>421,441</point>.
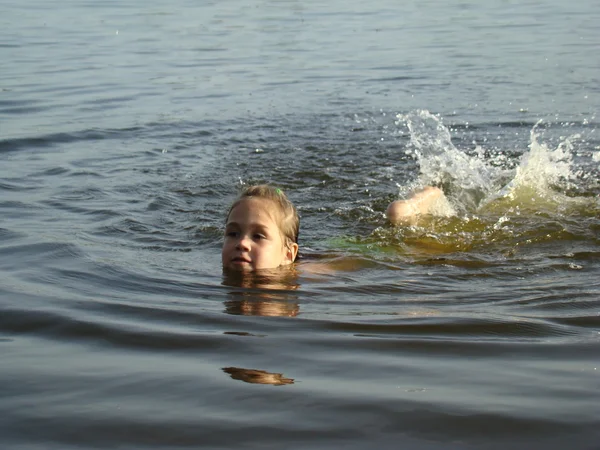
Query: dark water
<point>127,128</point>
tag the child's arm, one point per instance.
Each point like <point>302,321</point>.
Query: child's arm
<point>406,211</point>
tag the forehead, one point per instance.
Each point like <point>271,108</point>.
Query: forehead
<point>252,209</point>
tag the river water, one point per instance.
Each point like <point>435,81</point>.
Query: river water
<point>127,128</point>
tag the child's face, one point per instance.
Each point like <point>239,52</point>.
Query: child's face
<point>253,240</point>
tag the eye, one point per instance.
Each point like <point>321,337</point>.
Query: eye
<point>232,234</point>
<point>259,236</point>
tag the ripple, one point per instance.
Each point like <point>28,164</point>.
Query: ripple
<point>36,254</point>
<point>457,327</point>
<point>55,139</point>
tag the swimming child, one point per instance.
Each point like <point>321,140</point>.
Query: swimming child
<point>261,231</point>
<point>262,226</point>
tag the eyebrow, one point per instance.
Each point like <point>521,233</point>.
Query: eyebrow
<point>252,225</point>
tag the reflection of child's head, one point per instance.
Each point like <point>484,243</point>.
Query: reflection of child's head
<point>261,230</point>
<point>261,307</point>
<point>257,376</point>
<point>262,293</point>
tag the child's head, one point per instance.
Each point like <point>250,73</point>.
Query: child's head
<point>261,230</point>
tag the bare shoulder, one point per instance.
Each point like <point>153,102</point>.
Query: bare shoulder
<point>332,266</point>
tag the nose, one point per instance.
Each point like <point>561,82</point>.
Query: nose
<point>243,243</point>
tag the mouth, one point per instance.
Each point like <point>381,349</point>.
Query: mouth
<point>240,261</point>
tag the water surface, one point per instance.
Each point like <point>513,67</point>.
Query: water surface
<point>126,129</point>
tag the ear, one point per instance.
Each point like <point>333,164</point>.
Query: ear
<point>291,252</point>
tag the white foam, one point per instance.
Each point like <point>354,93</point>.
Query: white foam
<point>470,181</point>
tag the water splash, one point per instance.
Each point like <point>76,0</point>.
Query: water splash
<point>473,183</point>
<point>542,168</point>
<point>509,202</point>
<point>465,179</point>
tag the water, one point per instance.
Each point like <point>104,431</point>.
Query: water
<point>126,129</point>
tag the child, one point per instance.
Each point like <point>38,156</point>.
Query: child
<point>261,231</point>
<point>262,226</point>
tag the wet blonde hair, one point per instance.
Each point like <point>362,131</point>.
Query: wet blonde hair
<point>287,216</point>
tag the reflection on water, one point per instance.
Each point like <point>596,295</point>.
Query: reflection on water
<point>255,306</point>
<point>267,293</point>
<point>257,376</point>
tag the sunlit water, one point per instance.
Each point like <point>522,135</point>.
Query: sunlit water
<point>126,129</point>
